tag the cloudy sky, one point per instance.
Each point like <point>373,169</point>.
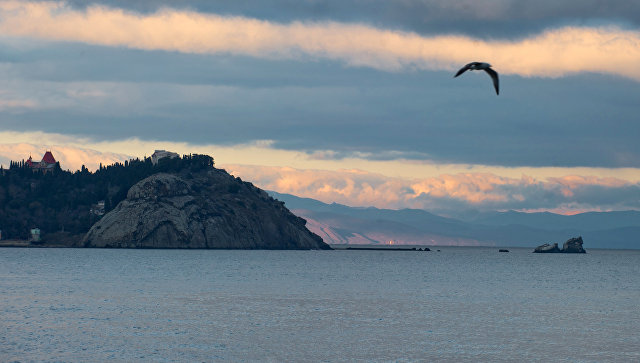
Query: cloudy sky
<point>347,101</point>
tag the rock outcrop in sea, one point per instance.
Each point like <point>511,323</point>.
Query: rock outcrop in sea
<point>572,245</point>
<point>205,209</point>
<point>547,248</point>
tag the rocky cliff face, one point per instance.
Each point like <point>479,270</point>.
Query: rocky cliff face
<point>208,209</point>
<point>573,245</point>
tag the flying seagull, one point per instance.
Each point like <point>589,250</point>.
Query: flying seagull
<point>474,66</point>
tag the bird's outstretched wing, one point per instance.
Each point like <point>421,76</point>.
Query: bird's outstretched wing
<point>463,69</point>
<point>494,77</point>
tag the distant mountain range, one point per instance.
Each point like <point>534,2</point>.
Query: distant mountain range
<point>340,224</point>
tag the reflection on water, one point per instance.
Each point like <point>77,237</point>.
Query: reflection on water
<point>176,305</point>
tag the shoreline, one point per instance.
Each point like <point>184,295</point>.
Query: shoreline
<point>29,244</point>
<point>379,248</point>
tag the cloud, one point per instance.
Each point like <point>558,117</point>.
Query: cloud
<point>553,53</point>
<point>501,18</point>
<point>339,114</point>
<point>385,184</point>
<point>16,104</point>
<point>448,192</point>
<point>262,152</point>
<point>318,107</point>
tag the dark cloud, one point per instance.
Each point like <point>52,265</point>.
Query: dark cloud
<point>112,93</point>
<point>494,18</point>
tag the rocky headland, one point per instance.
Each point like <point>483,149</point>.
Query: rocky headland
<point>572,245</point>
<point>204,209</point>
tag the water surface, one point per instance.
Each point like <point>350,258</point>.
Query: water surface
<point>462,304</point>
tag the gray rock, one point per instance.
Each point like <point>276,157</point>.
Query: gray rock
<point>547,248</point>
<point>573,245</point>
<point>208,209</point>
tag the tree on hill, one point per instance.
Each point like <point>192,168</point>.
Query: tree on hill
<point>62,200</point>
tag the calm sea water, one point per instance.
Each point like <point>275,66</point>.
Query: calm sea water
<point>460,304</point>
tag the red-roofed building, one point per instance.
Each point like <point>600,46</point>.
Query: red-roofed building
<point>30,162</point>
<point>48,158</point>
<point>48,163</point>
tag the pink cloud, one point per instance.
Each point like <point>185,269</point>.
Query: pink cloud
<point>470,190</point>
<point>575,181</point>
<point>568,184</point>
<point>553,53</point>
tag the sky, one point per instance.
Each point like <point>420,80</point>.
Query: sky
<point>347,101</point>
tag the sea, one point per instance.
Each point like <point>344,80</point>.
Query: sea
<point>459,304</point>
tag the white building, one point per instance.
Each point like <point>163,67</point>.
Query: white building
<point>159,154</point>
<point>35,235</point>
<point>98,208</point>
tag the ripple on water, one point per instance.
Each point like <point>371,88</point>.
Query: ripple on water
<point>470,304</point>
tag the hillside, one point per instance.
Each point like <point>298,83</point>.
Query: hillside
<point>204,209</point>
<point>62,201</point>
<point>339,224</point>
<point>180,202</point>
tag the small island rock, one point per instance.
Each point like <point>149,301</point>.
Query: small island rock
<point>572,245</point>
<point>547,248</point>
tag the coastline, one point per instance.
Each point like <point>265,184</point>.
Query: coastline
<point>31,244</point>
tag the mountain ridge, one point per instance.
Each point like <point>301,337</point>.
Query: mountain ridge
<point>415,226</point>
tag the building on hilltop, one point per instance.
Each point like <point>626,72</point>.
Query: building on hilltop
<point>47,164</point>
<point>161,154</point>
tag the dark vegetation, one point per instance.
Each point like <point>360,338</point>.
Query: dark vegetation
<point>61,201</point>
